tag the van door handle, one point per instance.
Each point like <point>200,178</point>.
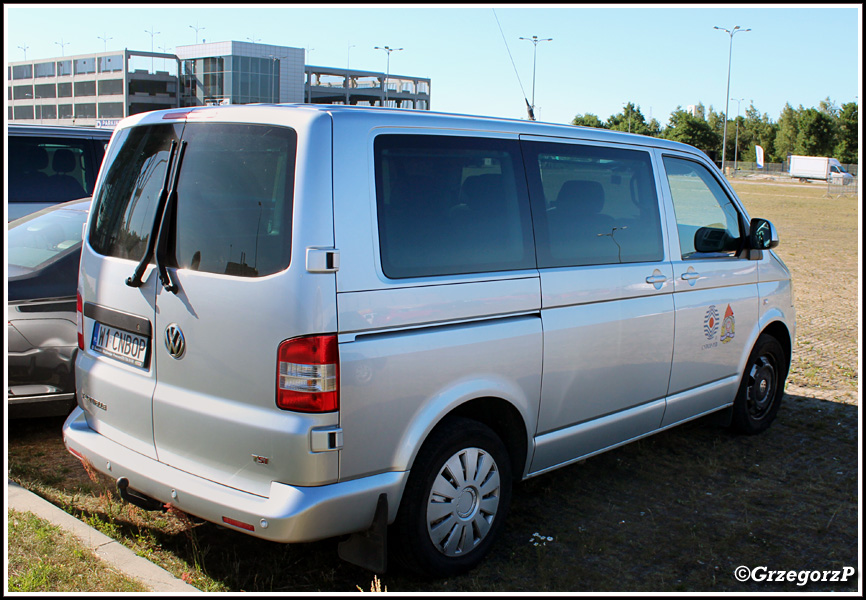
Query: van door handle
<point>691,276</point>
<point>657,279</point>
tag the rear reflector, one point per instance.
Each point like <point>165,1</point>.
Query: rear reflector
<point>308,374</point>
<point>79,317</point>
<point>235,523</point>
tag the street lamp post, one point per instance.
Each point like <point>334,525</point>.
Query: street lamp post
<point>197,29</point>
<point>534,39</point>
<point>152,33</point>
<point>737,137</point>
<point>24,47</point>
<point>731,33</point>
<point>164,51</point>
<point>389,50</point>
<point>62,45</point>
<point>104,39</point>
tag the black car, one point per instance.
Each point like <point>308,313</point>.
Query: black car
<point>49,164</point>
<point>44,249</point>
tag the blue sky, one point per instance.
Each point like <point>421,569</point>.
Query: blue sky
<point>601,56</point>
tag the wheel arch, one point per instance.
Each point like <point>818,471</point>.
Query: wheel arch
<point>506,421</point>
<point>782,334</point>
<point>501,416</point>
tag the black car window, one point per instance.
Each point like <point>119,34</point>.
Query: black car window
<point>51,169</point>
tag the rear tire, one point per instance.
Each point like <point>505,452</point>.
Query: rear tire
<point>455,501</point>
<point>761,388</point>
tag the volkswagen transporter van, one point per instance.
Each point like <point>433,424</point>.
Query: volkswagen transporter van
<point>302,322</point>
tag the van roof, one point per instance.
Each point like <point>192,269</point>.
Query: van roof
<point>401,117</point>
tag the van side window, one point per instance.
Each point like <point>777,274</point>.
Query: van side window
<point>234,199</point>
<point>44,169</point>
<point>451,205</point>
<point>593,205</point>
<point>708,223</point>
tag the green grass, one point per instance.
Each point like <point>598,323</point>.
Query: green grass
<point>43,558</point>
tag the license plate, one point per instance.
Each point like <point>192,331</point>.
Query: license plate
<point>123,345</point>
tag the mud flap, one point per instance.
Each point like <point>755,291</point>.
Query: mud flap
<point>369,549</point>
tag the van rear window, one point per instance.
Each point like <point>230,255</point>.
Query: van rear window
<point>233,211</point>
<point>234,199</point>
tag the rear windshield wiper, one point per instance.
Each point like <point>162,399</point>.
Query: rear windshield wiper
<point>135,280</point>
<point>162,235</point>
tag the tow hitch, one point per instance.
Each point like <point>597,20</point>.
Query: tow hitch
<point>137,498</point>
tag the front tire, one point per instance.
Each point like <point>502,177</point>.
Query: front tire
<point>455,502</point>
<point>761,388</point>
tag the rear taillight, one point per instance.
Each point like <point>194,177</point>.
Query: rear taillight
<point>308,374</point>
<point>79,317</point>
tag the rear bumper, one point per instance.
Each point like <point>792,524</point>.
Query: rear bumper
<point>288,514</point>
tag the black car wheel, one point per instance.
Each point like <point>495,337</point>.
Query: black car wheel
<point>455,501</point>
<point>761,388</point>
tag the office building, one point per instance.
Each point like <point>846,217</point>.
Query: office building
<point>91,89</point>
<point>102,88</point>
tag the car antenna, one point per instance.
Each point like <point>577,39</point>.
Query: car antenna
<point>525,99</point>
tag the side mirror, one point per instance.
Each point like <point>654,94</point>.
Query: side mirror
<point>762,235</point>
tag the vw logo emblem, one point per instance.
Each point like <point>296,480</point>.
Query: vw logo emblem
<point>174,341</point>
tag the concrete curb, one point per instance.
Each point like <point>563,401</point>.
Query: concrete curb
<point>113,552</point>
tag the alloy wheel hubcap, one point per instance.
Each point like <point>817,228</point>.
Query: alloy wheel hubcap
<point>463,502</point>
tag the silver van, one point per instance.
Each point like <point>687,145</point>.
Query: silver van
<point>301,322</point>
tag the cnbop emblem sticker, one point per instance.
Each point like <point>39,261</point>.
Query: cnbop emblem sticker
<point>727,326</point>
<point>711,322</point>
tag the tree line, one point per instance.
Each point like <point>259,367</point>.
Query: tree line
<point>828,130</point>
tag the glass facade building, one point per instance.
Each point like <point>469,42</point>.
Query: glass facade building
<point>242,79</point>
<point>241,73</point>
